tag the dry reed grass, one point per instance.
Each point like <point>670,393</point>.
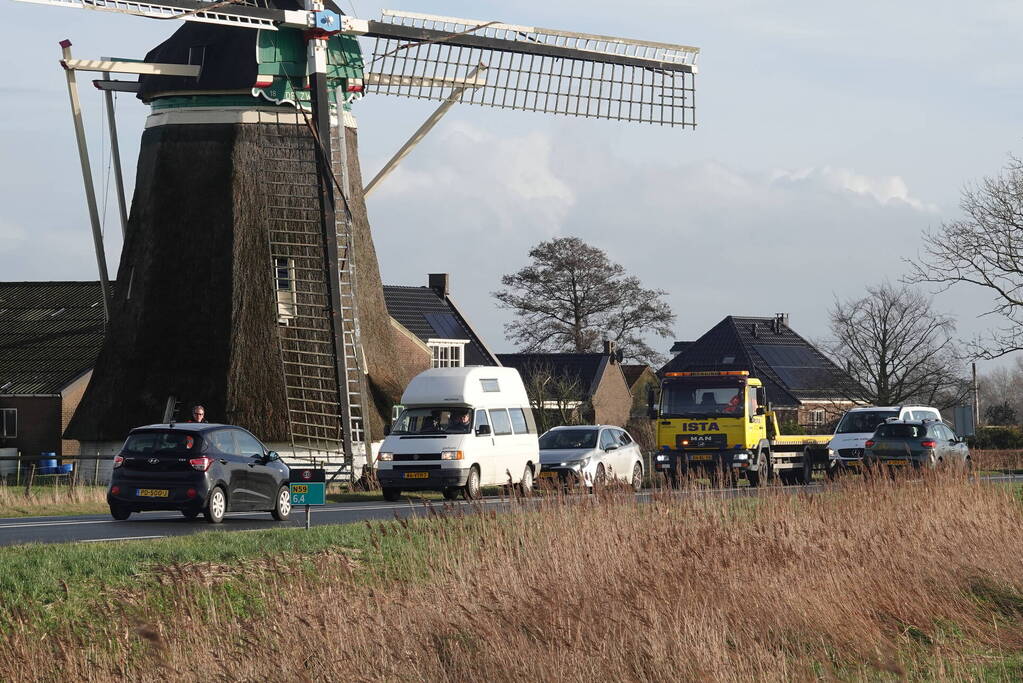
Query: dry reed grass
<point>877,578</point>
<point>50,500</point>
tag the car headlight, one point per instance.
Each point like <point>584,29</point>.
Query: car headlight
<point>582,462</point>
<point>385,457</point>
<point>451,454</point>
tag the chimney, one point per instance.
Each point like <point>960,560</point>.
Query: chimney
<point>439,283</point>
<point>609,349</point>
<point>755,330</point>
<point>780,320</point>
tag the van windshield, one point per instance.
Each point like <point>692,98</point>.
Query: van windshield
<point>863,421</point>
<point>433,421</point>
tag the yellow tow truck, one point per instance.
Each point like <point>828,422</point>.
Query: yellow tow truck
<point>719,425</point>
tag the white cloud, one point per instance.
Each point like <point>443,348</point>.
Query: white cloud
<point>883,189</point>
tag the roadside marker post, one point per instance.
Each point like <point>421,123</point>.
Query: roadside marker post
<point>308,487</point>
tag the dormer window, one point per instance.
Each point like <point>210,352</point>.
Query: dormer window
<point>448,353</point>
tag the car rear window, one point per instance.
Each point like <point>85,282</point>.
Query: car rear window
<point>157,442</point>
<point>901,431</point>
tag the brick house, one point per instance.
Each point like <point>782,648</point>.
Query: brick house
<point>431,316</point>
<point>50,336</point>
<point>574,388</point>
<point>803,385</point>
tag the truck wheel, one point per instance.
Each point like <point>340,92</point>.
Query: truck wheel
<point>760,476</point>
<point>451,493</point>
<point>804,475</point>
<point>390,494</point>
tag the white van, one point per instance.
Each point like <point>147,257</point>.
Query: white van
<point>859,424</point>
<point>461,429</point>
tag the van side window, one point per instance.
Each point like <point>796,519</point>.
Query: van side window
<point>481,418</point>
<point>518,420</point>
<point>502,424</point>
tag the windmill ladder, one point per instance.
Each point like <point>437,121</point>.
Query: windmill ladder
<point>325,421</point>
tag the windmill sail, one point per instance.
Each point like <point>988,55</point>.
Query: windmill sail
<point>534,69</point>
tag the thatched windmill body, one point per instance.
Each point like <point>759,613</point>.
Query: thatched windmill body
<point>248,278</point>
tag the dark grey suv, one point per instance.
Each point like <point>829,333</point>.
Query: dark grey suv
<point>197,467</point>
<point>918,444</point>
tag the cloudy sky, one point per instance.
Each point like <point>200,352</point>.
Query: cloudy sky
<point>829,137</point>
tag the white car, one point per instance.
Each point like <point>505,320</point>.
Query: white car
<point>590,454</point>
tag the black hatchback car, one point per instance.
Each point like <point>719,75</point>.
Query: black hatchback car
<point>197,467</point>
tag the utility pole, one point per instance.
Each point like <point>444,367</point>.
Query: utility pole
<point>976,399</point>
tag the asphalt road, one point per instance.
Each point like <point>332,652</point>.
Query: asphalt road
<point>145,525</point>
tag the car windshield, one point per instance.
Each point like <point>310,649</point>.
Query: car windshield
<point>863,421</point>
<point>564,439</point>
<point>433,421</point>
<point>160,442</point>
<point>901,431</point>
<point>692,399</point>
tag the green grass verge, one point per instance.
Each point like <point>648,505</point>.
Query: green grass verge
<point>52,585</point>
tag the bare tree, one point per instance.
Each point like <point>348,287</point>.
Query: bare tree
<point>983,249</point>
<point>556,398</point>
<point>572,296</point>
<point>898,349</point>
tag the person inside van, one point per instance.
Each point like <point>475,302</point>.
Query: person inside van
<point>460,422</point>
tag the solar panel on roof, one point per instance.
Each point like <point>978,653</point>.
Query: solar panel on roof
<point>446,325</point>
<point>799,367</point>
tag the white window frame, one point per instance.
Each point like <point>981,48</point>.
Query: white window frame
<point>3,423</point>
<point>287,304</point>
<point>816,416</point>
<point>447,353</point>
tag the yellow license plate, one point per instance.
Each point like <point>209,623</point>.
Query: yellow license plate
<point>299,488</point>
<point>417,475</point>
<point>896,462</point>
<point>152,493</point>
<point>548,475</point>
<point>701,457</point>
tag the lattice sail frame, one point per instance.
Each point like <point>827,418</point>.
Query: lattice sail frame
<point>533,69</point>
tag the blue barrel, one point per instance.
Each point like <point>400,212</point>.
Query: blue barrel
<point>67,468</point>
<point>47,463</point>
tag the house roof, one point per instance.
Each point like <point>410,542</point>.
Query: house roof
<point>790,367</point>
<point>634,372</point>
<point>429,315</point>
<point>50,334</point>
<point>588,367</point>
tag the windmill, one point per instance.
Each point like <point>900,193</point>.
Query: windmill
<point>248,277</point>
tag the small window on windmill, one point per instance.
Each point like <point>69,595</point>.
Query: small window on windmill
<point>284,276</point>
<point>728,360</point>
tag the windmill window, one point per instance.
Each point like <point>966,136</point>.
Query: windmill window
<point>728,360</point>
<point>448,353</point>
<point>9,423</point>
<point>284,278</point>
